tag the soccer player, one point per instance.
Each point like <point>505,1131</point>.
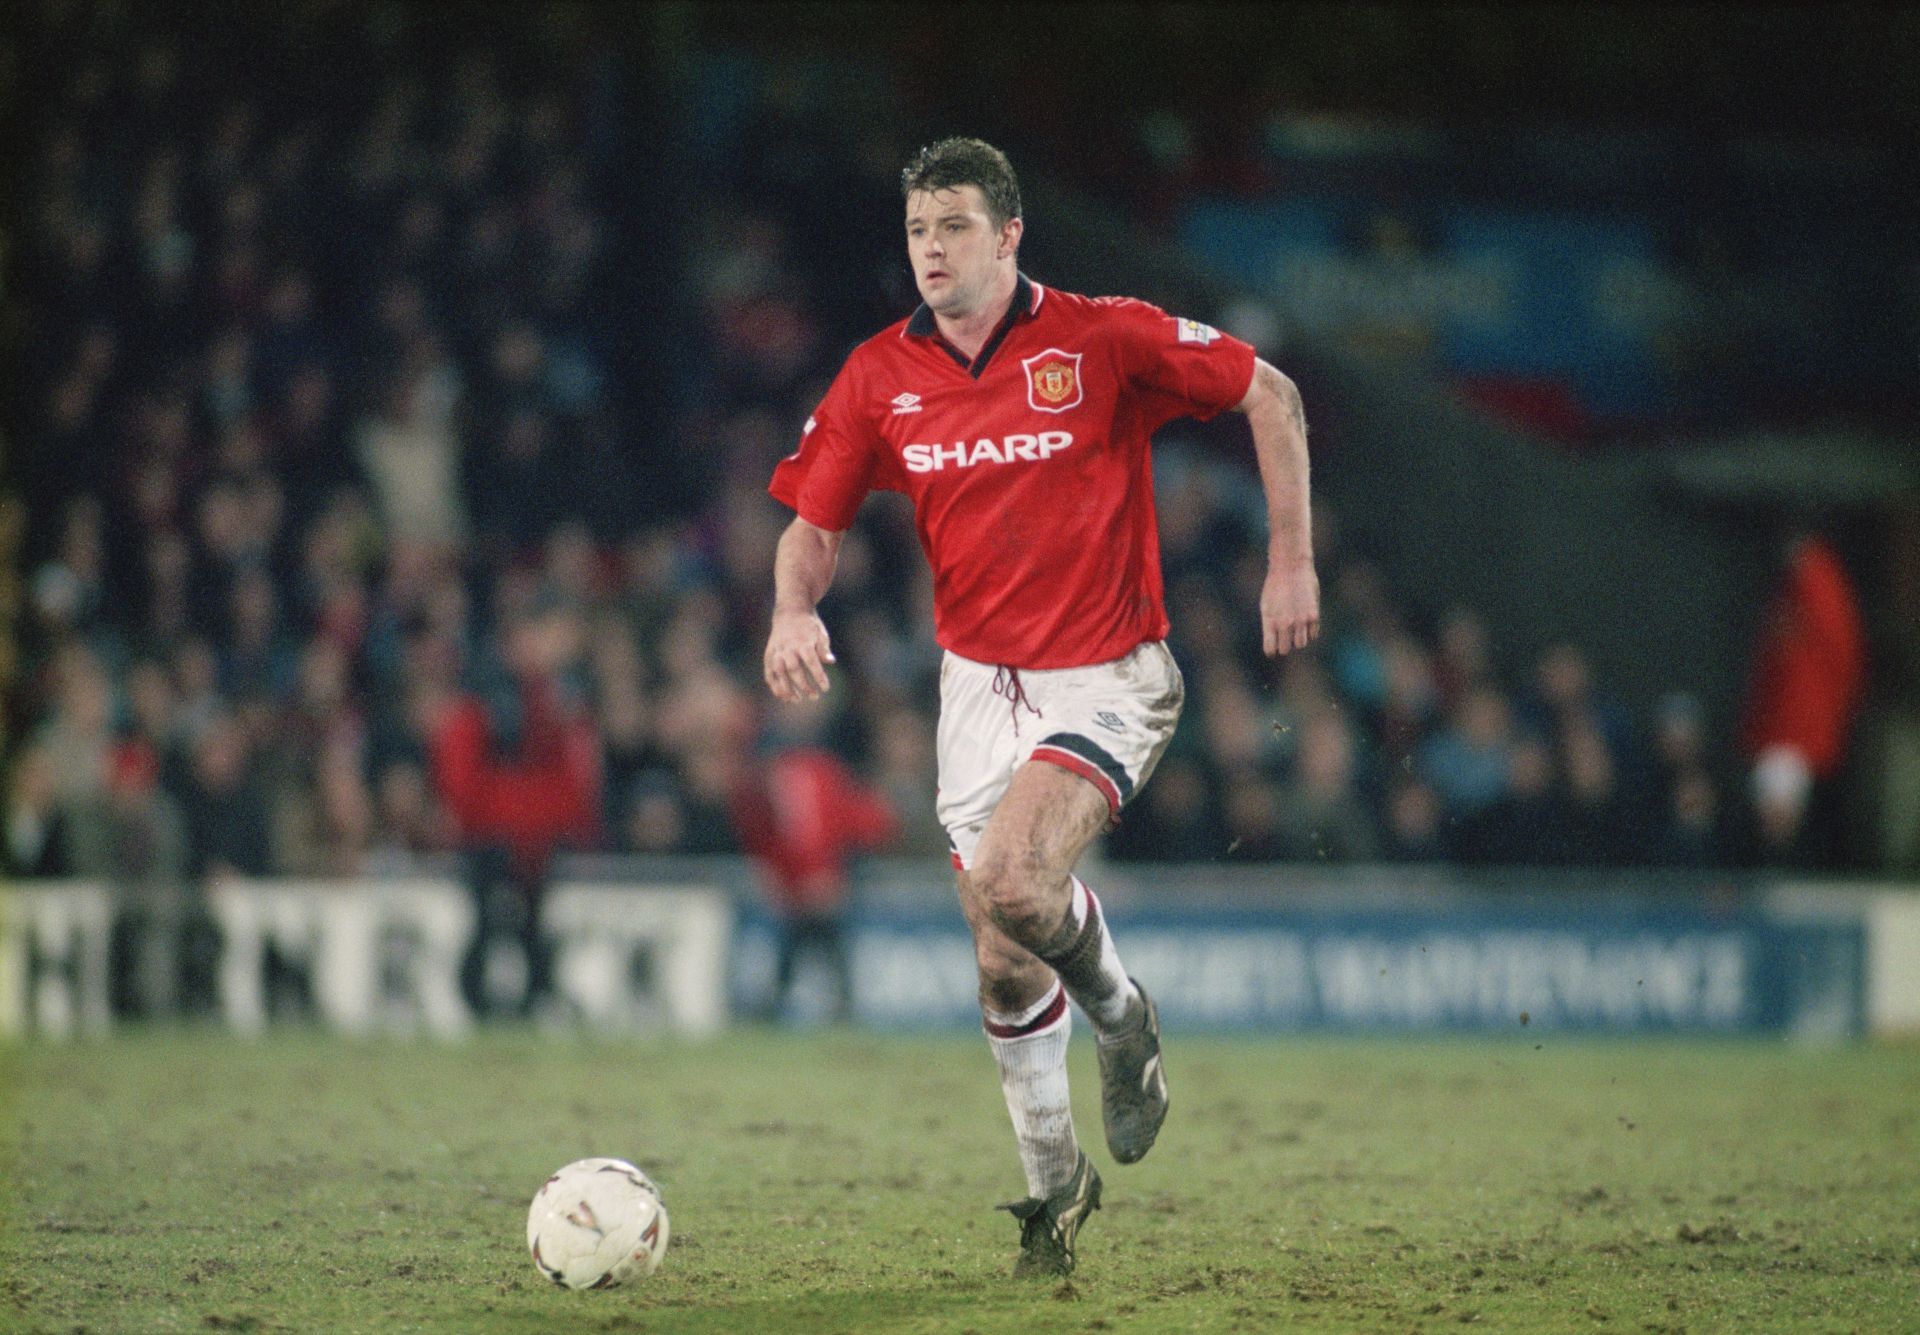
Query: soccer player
<point>1016,417</point>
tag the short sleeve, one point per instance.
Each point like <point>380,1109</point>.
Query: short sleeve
<point>826,478</point>
<point>1183,360</point>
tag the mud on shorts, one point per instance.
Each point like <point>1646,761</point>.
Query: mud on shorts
<point>1109,723</point>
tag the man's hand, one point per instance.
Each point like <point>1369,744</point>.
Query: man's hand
<point>1289,607</point>
<point>1290,597</point>
<point>797,650</point>
<point>797,656</point>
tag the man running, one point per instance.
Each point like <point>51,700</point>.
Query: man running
<point>1017,418</point>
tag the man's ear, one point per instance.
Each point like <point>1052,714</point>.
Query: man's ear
<point>1010,232</point>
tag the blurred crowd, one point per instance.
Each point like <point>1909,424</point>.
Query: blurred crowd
<point>338,551</point>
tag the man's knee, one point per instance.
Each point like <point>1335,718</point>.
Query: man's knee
<point>1019,896</point>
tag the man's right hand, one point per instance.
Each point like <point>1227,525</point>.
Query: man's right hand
<point>797,656</point>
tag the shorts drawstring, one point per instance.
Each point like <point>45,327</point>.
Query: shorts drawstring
<point>1006,681</point>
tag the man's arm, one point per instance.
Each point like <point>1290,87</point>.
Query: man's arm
<point>1290,598</point>
<point>798,651</point>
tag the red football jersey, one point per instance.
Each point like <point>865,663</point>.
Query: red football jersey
<point>1028,467</point>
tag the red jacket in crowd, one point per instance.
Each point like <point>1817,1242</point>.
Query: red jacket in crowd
<point>1811,664</point>
<point>548,793</point>
<point>801,814</point>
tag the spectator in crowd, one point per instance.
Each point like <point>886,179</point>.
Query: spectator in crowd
<point>653,817</point>
<point>1565,699</point>
<point>624,720</point>
<point>258,660</point>
<point>1407,708</point>
<point>1413,821</point>
<point>1594,815</point>
<point>409,452</point>
<point>1464,658</point>
<point>324,828</point>
<point>224,806</point>
<point>1809,674</point>
<point>1468,757</point>
<point>699,712</point>
<point>408,823</point>
<point>802,815</point>
<point>1363,628</point>
<point>1522,825</point>
<point>518,767</point>
<point>36,834</point>
<point>132,839</point>
<point>1685,823</point>
<point>1253,816</point>
<point>76,738</point>
<point>903,777</point>
<point>1322,817</point>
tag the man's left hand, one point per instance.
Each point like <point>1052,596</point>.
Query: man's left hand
<point>1289,607</point>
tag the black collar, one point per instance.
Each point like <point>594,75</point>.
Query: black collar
<point>921,325</point>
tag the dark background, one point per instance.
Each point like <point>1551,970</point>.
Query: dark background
<point>690,212</point>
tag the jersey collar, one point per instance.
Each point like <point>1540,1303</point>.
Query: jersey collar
<point>1027,296</point>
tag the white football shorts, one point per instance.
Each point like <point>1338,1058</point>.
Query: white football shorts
<point>1109,723</point>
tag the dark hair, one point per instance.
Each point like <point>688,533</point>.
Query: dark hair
<point>952,163</point>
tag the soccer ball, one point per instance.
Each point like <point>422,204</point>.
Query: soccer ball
<point>597,1223</point>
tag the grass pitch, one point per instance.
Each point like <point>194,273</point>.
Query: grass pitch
<point>174,1181</point>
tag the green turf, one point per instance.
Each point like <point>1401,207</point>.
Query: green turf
<point>189,1182</point>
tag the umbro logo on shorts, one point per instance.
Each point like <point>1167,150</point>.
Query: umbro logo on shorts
<point>1106,718</point>
<point>905,403</point>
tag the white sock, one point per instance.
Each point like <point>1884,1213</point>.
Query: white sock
<point>1031,1048</point>
<point>1096,980</point>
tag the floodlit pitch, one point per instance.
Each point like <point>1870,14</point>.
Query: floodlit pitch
<point>178,1182</point>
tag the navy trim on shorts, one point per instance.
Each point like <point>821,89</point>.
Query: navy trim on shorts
<point>1094,754</point>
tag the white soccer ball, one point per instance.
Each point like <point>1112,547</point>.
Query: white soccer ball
<point>597,1223</point>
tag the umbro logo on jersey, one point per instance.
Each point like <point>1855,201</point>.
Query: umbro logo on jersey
<point>936,458</point>
<point>905,403</point>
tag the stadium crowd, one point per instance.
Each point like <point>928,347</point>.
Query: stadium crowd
<point>341,546</point>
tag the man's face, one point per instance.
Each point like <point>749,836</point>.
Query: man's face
<point>955,248</point>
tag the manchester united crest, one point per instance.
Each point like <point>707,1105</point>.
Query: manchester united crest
<point>1053,381</point>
